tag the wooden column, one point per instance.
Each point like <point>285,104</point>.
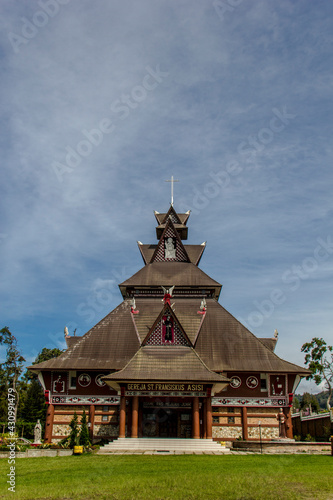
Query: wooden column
<point>135,415</point>
<point>289,424</point>
<point>204,419</point>
<point>91,421</point>
<point>209,418</point>
<point>122,417</point>
<point>244,423</point>
<point>140,424</point>
<point>49,424</point>
<point>195,419</point>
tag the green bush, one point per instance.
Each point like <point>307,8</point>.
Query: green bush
<point>74,434</point>
<point>84,433</point>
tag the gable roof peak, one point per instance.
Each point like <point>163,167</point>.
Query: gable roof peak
<point>170,246</point>
<point>179,219</point>
<point>167,330</point>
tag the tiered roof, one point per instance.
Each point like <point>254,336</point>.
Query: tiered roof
<point>207,341</point>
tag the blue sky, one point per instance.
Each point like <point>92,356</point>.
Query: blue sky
<point>103,101</point>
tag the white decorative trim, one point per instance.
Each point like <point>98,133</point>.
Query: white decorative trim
<point>282,401</point>
<point>81,400</point>
<point>202,394</point>
<point>41,380</point>
<point>296,383</point>
<point>316,416</point>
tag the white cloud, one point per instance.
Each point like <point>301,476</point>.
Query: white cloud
<point>61,240</point>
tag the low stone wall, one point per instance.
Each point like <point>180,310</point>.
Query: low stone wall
<point>38,453</point>
<point>226,432</point>
<point>282,447</point>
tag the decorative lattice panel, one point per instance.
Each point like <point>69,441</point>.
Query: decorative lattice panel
<point>180,253</point>
<point>156,336</point>
<point>174,218</point>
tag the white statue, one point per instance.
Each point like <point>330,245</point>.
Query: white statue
<point>38,433</point>
<point>134,310</point>
<point>203,305</point>
<point>170,249</point>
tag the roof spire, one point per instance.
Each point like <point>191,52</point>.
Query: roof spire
<point>172,180</point>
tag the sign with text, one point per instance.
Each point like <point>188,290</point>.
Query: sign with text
<point>165,389</point>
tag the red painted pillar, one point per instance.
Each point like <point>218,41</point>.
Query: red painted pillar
<point>135,416</point>
<point>209,418</point>
<point>195,418</point>
<point>244,423</point>
<point>49,423</point>
<point>204,419</point>
<point>122,417</point>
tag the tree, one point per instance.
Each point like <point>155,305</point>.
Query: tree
<point>322,398</point>
<point>33,400</point>
<point>84,433</point>
<point>44,355</point>
<point>310,401</point>
<point>74,434</point>
<point>296,404</point>
<point>33,408</point>
<point>10,370</point>
<point>319,359</point>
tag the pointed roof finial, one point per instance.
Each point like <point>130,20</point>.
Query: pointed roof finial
<point>172,180</point>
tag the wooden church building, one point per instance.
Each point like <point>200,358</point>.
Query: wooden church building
<point>169,361</point>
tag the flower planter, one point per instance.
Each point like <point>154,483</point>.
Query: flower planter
<point>78,450</point>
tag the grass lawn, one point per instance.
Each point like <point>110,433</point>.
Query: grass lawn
<point>244,477</point>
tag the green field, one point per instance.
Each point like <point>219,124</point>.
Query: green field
<point>245,477</point>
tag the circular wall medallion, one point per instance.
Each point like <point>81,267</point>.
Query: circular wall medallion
<point>84,379</point>
<point>98,380</point>
<point>252,382</point>
<point>235,382</point>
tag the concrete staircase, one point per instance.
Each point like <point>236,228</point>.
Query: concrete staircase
<point>160,446</point>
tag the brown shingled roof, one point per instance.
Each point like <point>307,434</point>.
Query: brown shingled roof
<point>70,341</point>
<point>180,274</point>
<point>156,363</point>
<point>193,251</point>
<point>225,345</point>
<point>108,345</point>
<point>186,311</point>
<point>161,218</point>
<point>269,342</point>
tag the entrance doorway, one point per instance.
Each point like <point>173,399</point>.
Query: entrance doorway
<point>166,423</point>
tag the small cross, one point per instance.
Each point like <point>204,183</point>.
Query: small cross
<point>172,181</point>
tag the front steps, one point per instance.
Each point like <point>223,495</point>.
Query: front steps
<point>160,446</point>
